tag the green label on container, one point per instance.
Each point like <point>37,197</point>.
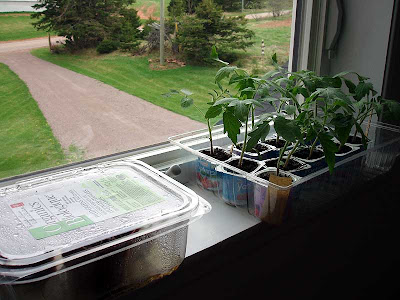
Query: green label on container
<point>60,227</point>
<point>80,204</point>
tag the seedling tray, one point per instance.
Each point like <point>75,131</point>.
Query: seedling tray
<point>309,193</point>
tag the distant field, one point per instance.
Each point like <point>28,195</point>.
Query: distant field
<point>27,141</point>
<point>276,35</point>
<point>18,26</point>
<point>149,8</point>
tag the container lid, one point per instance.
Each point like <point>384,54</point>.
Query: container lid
<point>56,214</point>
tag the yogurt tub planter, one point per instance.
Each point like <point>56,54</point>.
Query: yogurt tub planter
<point>265,151</point>
<point>296,166</point>
<point>207,176</point>
<point>270,200</point>
<point>316,162</point>
<point>236,189</point>
<point>347,151</point>
<point>272,142</point>
<point>93,232</point>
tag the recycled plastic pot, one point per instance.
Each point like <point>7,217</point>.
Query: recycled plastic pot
<point>270,152</point>
<point>301,170</point>
<point>271,142</point>
<point>316,164</point>
<point>271,199</point>
<point>236,189</point>
<point>207,177</point>
<point>351,151</point>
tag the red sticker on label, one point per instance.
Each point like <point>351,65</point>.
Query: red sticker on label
<point>15,205</point>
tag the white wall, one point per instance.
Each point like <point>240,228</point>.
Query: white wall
<point>363,43</point>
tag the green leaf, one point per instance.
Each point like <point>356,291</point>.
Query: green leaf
<point>213,112</point>
<point>258,134</point>
<point>392,109</point>
<point>224,73</point>
<point>231,125</point>
<point>329,148</point>
<point>186,102</point>
<point>270,74</point>
<point>350,85</point>
<point>363,137</point>
<point>288,129</point>
<point>341,74</point>
<point>241,110</point>
<point>186,92</point>
<point>274,59</point>
<point>290,109</point>
<point>214,56</point>
<point>214,53</point>
<point>253,102</point>
<point>335,82</point>
<point>304,92</point>
<point>225,100</point>
<point>363,89</point>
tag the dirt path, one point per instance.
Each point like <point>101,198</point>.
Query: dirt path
<point>25,45</point>
<point>265,15</point>
<point>87,113</point>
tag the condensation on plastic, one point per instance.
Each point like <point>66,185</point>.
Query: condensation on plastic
<point>23,258</point>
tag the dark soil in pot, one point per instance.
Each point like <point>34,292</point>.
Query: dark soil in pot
<point>273,142</point>
<point>266,175</point>
<point>219,154</point>
<point>247,165</point>
<point>258,148</point>
<point>292,165</point>
<point>351,140</point>
<point>305,152</point>
<point>344,149</point>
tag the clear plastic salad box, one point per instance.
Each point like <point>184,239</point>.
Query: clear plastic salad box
<point>308,194</point>
<point>92,233</point>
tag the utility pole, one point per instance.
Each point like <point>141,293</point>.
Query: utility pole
<point>242,6</point>
<point>162,32</point>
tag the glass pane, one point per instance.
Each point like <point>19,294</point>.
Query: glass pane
<point>71,93</point>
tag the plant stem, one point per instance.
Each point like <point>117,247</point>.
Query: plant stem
<point>290,154</point>
<point>252,116</point>
<point>210,137</point>
<point>280,157</point>
<point>369,124</point>
<point>245,141</point>
<point>312,148</point>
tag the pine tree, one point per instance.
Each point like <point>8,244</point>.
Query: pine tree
<point>85,23</point>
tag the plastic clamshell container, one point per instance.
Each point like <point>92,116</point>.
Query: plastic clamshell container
<point>93,232</point>
<point>320,188</point>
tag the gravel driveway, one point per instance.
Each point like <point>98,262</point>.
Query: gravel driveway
<point>87,113</point>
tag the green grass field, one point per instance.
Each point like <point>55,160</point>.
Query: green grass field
<point>134,76</point>
<point>27,142</point>
<point>276,35</point>
<point>17,26</point>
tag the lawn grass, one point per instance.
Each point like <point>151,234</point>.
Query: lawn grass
<point>18,26</point>
<point>276,40</point>
<point>134,76</point>
<point>27,142</point>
